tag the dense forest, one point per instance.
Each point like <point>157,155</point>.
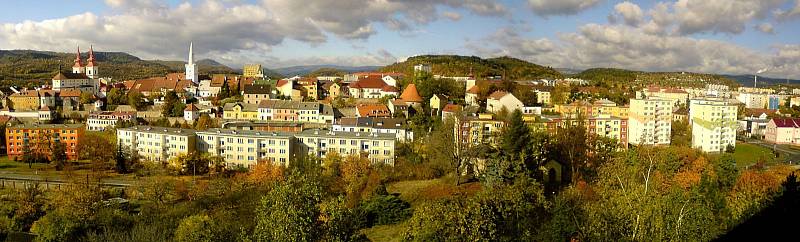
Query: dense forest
<point>29,65</point>
<point>614,77</point>
<point>453,65</point>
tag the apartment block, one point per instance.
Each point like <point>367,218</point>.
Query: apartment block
<point>244,148</point>
<point>99,121</point>
<point>157,143</point>
<point>713,124</point>
<point>394,126</point>
<point>39,139</point>
<point>378,147</point>
<point>479,129</point>
<point>650,121</point>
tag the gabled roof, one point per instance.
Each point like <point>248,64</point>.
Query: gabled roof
<point>257,89</point>
<point>410,94</point>
<point>498,95</point>
<point>70,92</point>
<point>388,88</point>
<point>474,90</point>
<point>69,75</point>
<point>282,82</point>
<point>369,82</point>
<point>373,110</point>
<point>759,111</point>
<point>787,122</point>
<point>451,108</point>
<point>191,107</point>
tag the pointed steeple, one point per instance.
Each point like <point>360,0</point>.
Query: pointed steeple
<point>191,55</point>
<point>78,62</point>
<point>191,67</point>
<point>90,62</point>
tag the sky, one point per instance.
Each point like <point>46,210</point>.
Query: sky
<point>710,36</point>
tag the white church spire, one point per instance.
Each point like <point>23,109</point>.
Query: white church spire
<point>191,67</point>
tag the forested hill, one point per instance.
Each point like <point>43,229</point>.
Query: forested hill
<point>454,65</point>
<point>620,77</point>
<point>31,64</point>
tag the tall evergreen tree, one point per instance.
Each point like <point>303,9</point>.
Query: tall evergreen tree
<point>170,100</point>
<point>120,160</point>
<point>516,136</point>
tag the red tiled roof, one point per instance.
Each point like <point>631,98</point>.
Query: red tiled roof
<point>369,82</point>
<point>373,110</point>
<point>451,108</point>
<point>759,111</point>
<point>410,94</point>
<point>281,82</point>
<point>191,107</point>
<point>498,95</point>
<point>388,88</point>
<point>474,90</point>
<point>787,122</point>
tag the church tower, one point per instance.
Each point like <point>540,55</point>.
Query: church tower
<point>78,67</point>
<point>191,67</point>
<point>91,65</point>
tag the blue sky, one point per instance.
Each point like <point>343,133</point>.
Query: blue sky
<point>717,36</point>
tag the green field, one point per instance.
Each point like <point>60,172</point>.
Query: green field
<point>749,154</point>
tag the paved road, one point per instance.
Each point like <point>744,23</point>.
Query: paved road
<point>793,156</point>
<point>17,176</point>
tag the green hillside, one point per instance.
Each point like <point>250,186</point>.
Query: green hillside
<point>453,65</point>
<point>30,64</point>
<point>620,77</point>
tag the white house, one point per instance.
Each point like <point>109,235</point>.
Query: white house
<point>500,99</point>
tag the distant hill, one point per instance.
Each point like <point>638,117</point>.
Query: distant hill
<point>621,77</point>
<point>305,70</point>
<point>747,80</point>
<point>326,72</point>
<point>32,64</point>
<point>454,65</point>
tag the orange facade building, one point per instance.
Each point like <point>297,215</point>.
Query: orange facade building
<point>40,137</point>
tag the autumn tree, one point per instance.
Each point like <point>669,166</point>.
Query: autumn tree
<point>136,100</point>
<point>198,228</point>
<point>290,211</point>
<point>58,155</point>
<point>95,148</point>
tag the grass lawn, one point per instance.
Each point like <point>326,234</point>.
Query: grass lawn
<point>7,164</point>
<point>748,154</point>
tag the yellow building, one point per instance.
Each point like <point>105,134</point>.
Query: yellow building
<point>24,101</point>
<point>240,111</point>
<point>713,124</point>
<point>586,109</point>
<point>253,70</point>
<point>157,143</point>
<point>481,129</point>
<point>650,121</point>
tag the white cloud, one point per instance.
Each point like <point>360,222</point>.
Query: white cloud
<point>687,17</point>
<point>765,28</point>
<point>154,29</point>
<point>626,47</point>
<point>631,13</point>
<point>560,7</point>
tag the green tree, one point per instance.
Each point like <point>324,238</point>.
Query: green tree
<point>170,100</point>
<point>86,98</point>
<point>136,100</point>
<point>58,154</point>
<point>116,96</point>
<point>198,228</point>
<point>121,160</point>
<point>290,212</point>
<point>515,136</point>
